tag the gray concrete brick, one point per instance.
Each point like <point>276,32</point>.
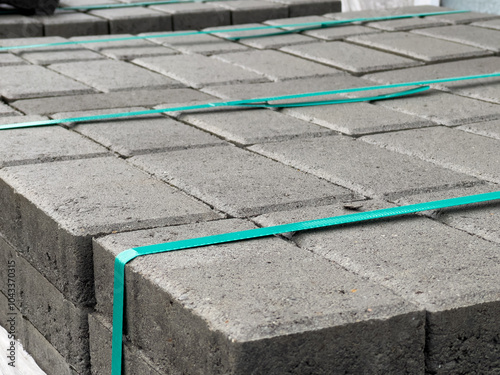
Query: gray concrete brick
<point>277,66</point>
<point>350,57</point>
<point>295,20</point>
<point>134,20</point>
<point>192,16</point>
<point>474,36</point>
<point>465,17</point>
<point>340,32</point>
<point>250,326</point>
<point>143,97</point>
<point>42,82</point>
<point>7,59</point>
<point>140,135</point>
<point>13,26</point>
<point>110,75</point>
<point>418,46</point>
<point>393,11</point>
<point>198,70</point>
<point>445,147</point>
<point>43,144</point>
<point>491,24</point>
<point>406,24</point>
<point>73,24</point>
<point>245,11</point>
<point>252,126</point>
<point>357,118</point>
<point>203,44</point>
<point>50,55</point>
<point>450,273</point>
<point>64,325</point>
<point>485,89</point>
<point>488,129</point>
<point>239,182</point>
<point>310,7</point>
<point>50,222</point>
<point>361,167</point>
<point>444,108</point>
<point>6,110</point>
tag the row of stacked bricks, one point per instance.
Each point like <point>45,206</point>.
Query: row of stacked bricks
<point>415,295</point>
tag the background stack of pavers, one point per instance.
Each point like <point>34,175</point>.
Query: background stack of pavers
<point>412,295</point>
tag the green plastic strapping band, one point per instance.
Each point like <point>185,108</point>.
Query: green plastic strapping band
<point>322,24</point>
<point>126,256</point>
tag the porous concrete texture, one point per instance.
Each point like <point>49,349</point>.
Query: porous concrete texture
<point>416,294</point>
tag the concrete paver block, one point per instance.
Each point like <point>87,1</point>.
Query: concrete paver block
<point>252,126</point>
<point>7,59</point>
<point>474,36</point>
<point>340,32</point>
<point>484,89</point>
<point>467,17</point>
<point>250,327</point>
<point>110,75</point>
<point>43,144</point>
<point>6,110</point>
<point>198,70</point>
<point>310,7</point>
<point>239,182</point>
<point>13,26</point>
<point>418,46</point>
<point>51,221</point>
<point>440,145</point>
<point>491,24</point>
<point>350,57</point>
<point>393,11</point>
<point>245,11</point>
<point>276,65</point>
<point>42,82</point>
<point>140,135</point>
<point>73,24</point>
<point>134,20</point>
<point>488,129</point>
<point>359,166</point>
<point>144,97</point>
<point>406,24</point>
<point>192,16</point>
<point>357,118</point>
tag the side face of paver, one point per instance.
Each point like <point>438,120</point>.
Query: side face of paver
<point>245,11</point>
<point>359,167</point>
<point>445,146</point>
<point>14,26</point>
<point>109,75</point>
<point>418,46</point>
<point>73,24</point>
<point>238,182</point>
<point>134,20</point>
<point>195,16</point>
<point>251,317</point>
<point>350,57</point>
<point>310,7</point>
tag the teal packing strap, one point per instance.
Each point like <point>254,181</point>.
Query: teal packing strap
<point>126,256</point>
<point>130,5</point>
<point>260,102</point>
<point>321,24</point>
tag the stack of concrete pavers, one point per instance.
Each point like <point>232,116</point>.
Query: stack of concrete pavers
<point>413,295</point>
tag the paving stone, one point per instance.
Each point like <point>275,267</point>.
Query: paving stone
<point>134,20</point>
<point>277,66</point>
<point>486,89</point>
<point>7,59</point>
<point>491,24</point>
<point>350,57</point>
<point>192,16</point>
<point>250,326</point>
<point>110,75</point>
<point>202,43</point>
<point>406,24</point>
<point>411,256</point>
<point>360,167</point>
<point>295,21</point>
<point>51,221</point>
<point>198,71</point>
<point>418,46</point>
<point>357,118</point>
<point>140,135</point>
<point>14,26</point>
<point>268,42</point>
<point>143,97</point>
<point>310,7</point>
<point>63,324</point>
<point>238,182</point>
<point>488,129</point>
<point>126,49</point>
<point>245,11</point>
<point>465,17</point>
<point>5,110</point>
<point>474,36</point>
<point>394,11</point>
<point>340,32</point>
<point>252,126</point>
<point>42,82</point>
<point>440,145</point>
<point>444,108</point>
<point>49,55</point>
<point>43,144</point>
<point>73,24</point>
